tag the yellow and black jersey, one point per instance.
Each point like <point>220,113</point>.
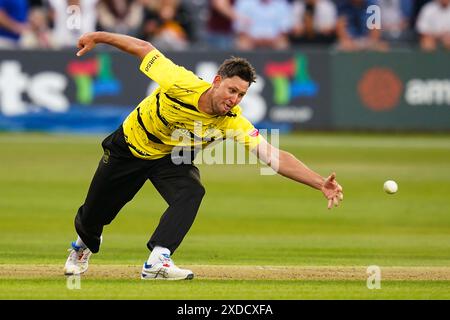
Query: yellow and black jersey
<point>170,116</point>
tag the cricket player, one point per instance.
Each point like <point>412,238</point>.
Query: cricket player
<point>142,147</point>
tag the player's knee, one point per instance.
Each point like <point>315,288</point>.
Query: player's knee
<point>198,191</point>
<point>194,191</point>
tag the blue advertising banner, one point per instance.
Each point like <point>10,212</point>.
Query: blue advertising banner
<point>57,91</point>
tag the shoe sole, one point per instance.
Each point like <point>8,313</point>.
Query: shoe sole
<point>188,277</point>
<point>74,274</point>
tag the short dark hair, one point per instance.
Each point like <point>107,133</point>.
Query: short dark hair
<point>236,66</point>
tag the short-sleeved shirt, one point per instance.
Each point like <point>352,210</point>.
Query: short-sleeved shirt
<point>170,116</point>
<point>269,19</point>
<point>433,19</point>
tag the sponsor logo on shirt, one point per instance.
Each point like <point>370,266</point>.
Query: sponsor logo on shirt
<point>254,133</point>
<point>151,62</point>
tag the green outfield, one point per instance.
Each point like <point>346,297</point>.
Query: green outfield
<point>255,237</point>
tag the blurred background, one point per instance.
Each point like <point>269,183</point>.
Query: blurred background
<point>322,64</point>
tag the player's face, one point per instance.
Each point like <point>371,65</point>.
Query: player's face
<point>228,92</point>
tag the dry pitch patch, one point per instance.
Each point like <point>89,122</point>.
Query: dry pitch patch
<point>235,272</point>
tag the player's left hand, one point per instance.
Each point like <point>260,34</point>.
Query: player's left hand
<point>332,191</point>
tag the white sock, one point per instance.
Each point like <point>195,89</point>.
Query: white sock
<point>80,243</point>
<point>156,252</point>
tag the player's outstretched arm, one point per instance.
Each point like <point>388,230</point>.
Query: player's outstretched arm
<point>289,166</point>
<point>131,45</point>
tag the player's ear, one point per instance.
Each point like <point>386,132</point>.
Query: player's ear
<point>217,80</point>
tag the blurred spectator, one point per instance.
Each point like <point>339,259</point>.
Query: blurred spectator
<point>38,35</point>
<point>167,24</point>
<point>72,18</point>
<point>314,22</point>
<point>417,7</point>
<point>263,24</point>
<point>13,22</point>
<point>396,15</point>
<point>120,16</point>
<point>221,14</point>
<point>37,4</point>
<point>433,24</point>
<point>352,30</point>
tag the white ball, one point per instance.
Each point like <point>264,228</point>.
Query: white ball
<point>390,186</point>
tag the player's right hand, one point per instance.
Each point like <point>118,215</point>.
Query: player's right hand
<point>332,191</point>
<point>85,43</point>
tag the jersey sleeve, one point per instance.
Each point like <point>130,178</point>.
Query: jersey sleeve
<point>166,73</point>
<point>243,131</point>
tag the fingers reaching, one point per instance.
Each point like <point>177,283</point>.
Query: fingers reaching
<point>331,178</point>
<point>85,44</point>
<point>83,50</point>
<point>335,200</point>
<point>80,52</point>
<point>333,191</point>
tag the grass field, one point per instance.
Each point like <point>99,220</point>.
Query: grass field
<point>255,237</point>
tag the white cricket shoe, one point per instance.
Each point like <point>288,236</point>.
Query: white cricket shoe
<point>78,260</point>
<point>165,269</point>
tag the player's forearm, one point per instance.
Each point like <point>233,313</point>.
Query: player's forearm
<point>290,167</point>
<point>131,45</point>
<point>287,165</point>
